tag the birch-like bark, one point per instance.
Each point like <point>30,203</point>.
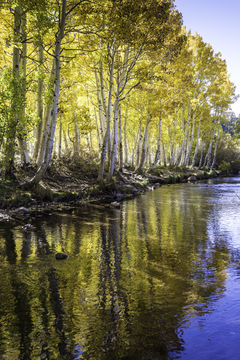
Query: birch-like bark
<point>197,144</point>
<point>201,155</point>
<point>106,113</point>
<point>39,106</point>
<point>164,155</point>
<point>9,149</point>
<point>121,83</point>
<point>148,152</point>
<point>183,147</point>
<point>178,159</point>
<point>115,138</point>
<point>99,137</point>
<point>22,137</point>
<point>45,131</point>
<point>125,140</point>
<point>102,99</point>
<point>66,146</point>
<point>138,144</point>
<point>144,146</point>
<point>109,108</point>
<point>76,142</point>
<point>207,160</point>
<point>101,116</point>
<point>191,141</point>
<point>120,144</point>
<point>57,85</point>
<point>158,152</point>
<point>215,151</point>
<point>53,110</point>
<point>133,150</point>
<point>173,150</point>
<point>60,140</point>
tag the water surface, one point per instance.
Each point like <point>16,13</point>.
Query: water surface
<point>157,279</point>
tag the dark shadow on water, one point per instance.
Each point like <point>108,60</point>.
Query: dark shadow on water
<point>135,276</point>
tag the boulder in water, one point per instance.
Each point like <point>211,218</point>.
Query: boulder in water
<point>192,178</point>
<point>28,227</point>
<point>61,256</point>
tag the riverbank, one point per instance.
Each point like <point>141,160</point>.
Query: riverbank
<point>66,188</point>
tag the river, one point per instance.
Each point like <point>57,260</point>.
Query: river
<point>157,279</point>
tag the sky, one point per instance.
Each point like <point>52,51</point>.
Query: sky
<point>218,22</point>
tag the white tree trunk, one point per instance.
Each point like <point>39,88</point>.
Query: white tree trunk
<point>39,106</point>
<point>125,141</point>
<point>76,142</point>
<point>207,160</point>
<point>184,144</point>
<point>120,143</point>
<point>109,108</point>
<point>173,150</point>
<point>164,155</point>
<point>60,140</point>
<point>201,155</point>
<point>215,151</point>
<point>158,152</point>
<point>115,138</point>
<point>191,141</point>
<point>144,146</point>
<point>53,110</point>
<point>10,134</point>
<point>197,144</point>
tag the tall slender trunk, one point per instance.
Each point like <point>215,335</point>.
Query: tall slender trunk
<point>201,155</point>
<point>121,83</point>
<point>104,107</point>
<point>144,146</point>
<point>158,152</point>
<point>60,140</point>
<point>191,141</point>
<point>39,105</point>
<point>207,160</point>
<point>109,108</point>
<point>57,85</point>
<point>115,138</point>
<point>120,140</point>
<point>76,142</point>
<point>178,158</point>
<point>173,150</point>
<point>56,91</point>
<point>125,140</point>
<point>148,152</point>
<point>134,146</point>
<point>138,144</point>
<point>101,116</point>
<point>45,129</point>
<point>67,150</point>
<point>22,137</point>
<point>215,151</point>
<point>197,144</point>
<point>99,137</point>
<point>11,131</point>
<point>164,155</point>
<point>182,154</point>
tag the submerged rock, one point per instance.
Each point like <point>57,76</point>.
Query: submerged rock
<point>21,213</point>
<point>61,256</point>
<point>115,205</point>
<point>5,218</point>
<point>192,178</point>
<point>28,227</point>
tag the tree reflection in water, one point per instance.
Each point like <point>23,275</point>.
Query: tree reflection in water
<point>133,278</point>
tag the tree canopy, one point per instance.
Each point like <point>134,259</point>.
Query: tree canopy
<point>121,79</point>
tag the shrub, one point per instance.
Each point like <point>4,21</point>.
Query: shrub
<point>225,167</point>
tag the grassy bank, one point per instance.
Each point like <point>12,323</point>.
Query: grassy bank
<point>65,188</point>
